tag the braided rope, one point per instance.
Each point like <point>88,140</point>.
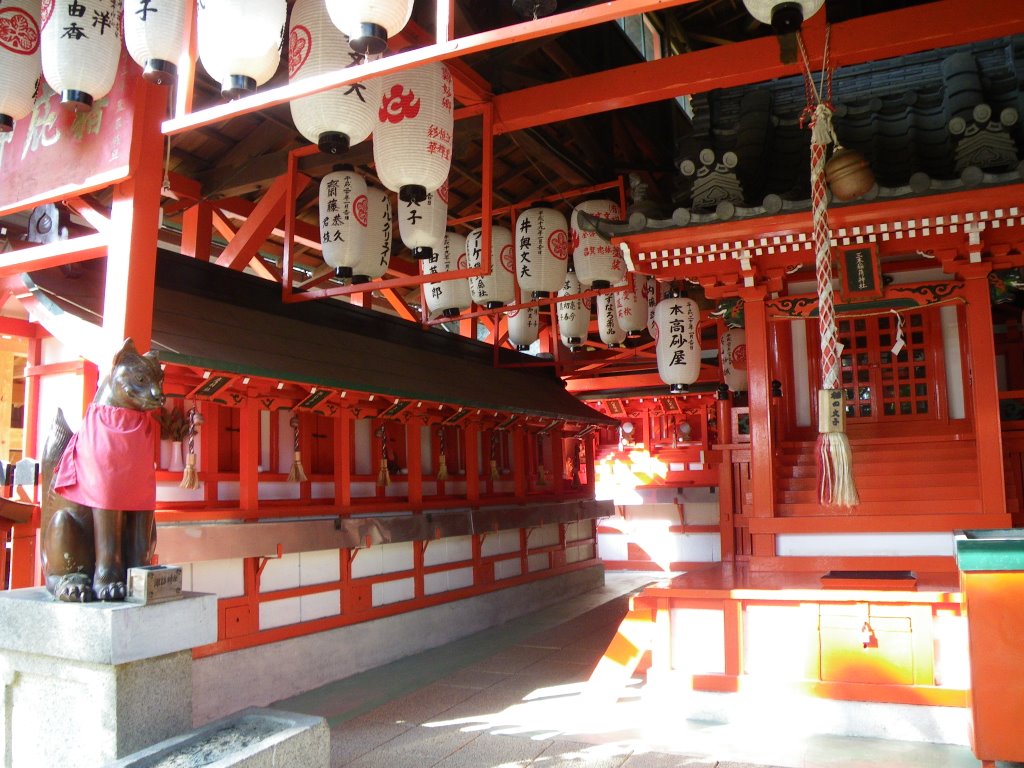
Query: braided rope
<point>821,130</point>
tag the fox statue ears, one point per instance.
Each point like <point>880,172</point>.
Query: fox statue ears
<point>128,350</point>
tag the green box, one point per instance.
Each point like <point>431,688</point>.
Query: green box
<point>997,549</point>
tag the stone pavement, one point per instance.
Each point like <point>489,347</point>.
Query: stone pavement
<point>514,696</point>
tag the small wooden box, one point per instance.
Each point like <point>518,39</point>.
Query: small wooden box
<point>153,584</point>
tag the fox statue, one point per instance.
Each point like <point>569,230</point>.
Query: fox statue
<point>99,485</point>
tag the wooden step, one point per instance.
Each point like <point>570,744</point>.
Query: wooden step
<point>893,470</point>
<point>935,494</point>
<point>888,480</point>
<point>919,507</point>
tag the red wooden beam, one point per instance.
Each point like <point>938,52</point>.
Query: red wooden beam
<point>261,223</point>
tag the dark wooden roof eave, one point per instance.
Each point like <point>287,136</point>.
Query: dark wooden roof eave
<point>211,317</point>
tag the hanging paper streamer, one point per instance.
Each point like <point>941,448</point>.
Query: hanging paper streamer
<point>190,477</point>
<point>835,459</point>
<point>296,474</point>
<point>901,341</point>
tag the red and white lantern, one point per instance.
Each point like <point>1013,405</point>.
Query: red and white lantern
<point>652,292</point>
<point>598,263</point>
<point>574,314</point>
<point>523,327</point>
<point>340,118</point>
<point>542,251</point>
<point>612,334</point>
<point>154,34</point>
<point>377,246</point>
<point>497,288</point>
<point>240,42</point>
<point>20,62</point>
<point>631,307</point>
<point>370,23</point>
<point>449,297</point>
<point>80,46</point>
<point>412,141</point>
<point>733,353</point>
<point>678,345</point>
<point>343,220</point>
<point>421,223</point>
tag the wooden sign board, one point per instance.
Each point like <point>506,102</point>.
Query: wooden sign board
<point>314,399</point>
<point>455,418</point>
<point>53,153</point>
<point>211,386</point>
<point>397,408</point>
<point>860,273</point>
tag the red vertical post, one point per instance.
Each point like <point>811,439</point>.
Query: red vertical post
<point>984,389</point>
<point>520,462</point>
<point>249,455</point>
<point>762,439</point>
<point>414,459</point>
<point>557,462</point>
<point>134,219</point>
<point>343,460</point>
<point>472,444</point>
<point>197,231</point>
<point>726,495</point>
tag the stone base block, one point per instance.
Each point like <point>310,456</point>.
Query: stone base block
<point>86,684</point>
<point>253,738</point>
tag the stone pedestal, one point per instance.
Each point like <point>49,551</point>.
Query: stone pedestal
<point>85,684</point>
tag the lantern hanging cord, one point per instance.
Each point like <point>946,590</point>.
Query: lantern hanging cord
<point>817,93</point>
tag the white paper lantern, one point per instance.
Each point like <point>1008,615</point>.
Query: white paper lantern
<point>573,315</point>
<point>542,251</point>
<point>412,140</point>
<point>340,118</point>
<point>678,344</point>
<point>523,327</point>
<point>80,46</point>
<point>240,42</point>
<point>369,23</point>
<point>631,307</point>
<point>421,223</point>
<point>612,334</point>
<point>783,15</point>
<point>449,297</point>
<point>598,263</point>
<point>652,293</point>
<point>154,34</point>
<point>733,353</point>
<point>499,286</point>
<point>20,62</point>
<point>377,246</point>
<point>343,220</point>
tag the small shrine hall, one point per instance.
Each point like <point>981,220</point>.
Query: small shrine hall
<point>463,308</point>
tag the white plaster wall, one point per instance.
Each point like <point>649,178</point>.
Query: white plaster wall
<point>63,391</point>
<point>452,549</point>
<point>362,432</point>
<point>285,441</point>
<point>223,578</point>
<point>801,384</point>
<point>507,569</point>
<point>258,676</point>
<point>445,581</point>
<point>538,562</point>
<point>698,640</point>
<point>954,368</point>
<point>864,544</point>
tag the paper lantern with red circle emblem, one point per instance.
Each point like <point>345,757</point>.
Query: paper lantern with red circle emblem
<point>733,354</point>
<point>154,34</point>
<point>80,48</point>
<point>421,223</point>
<point>612,334</point>
<point>523,327</point>
<point>342,117</point>
<point>240,42</point>
<point>542,250</point>
<point>370,23</point>
<point>631,307</point>
<point>652,292</point>
<point>377,245</point>
<point>498,287</point>
<point>412,140</point>
<point>448,297</point>
<point>598,263</point>
<point>676,320</point>
<point>343,220</point>
<point>20,62</point>
<point>574,314</point>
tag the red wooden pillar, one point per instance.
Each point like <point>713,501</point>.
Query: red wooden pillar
<point>762,439</point>
<point>343,460</point>
<point>557,461</point>
<point>249,455</point>
<point>520,462</point>
<point>134,220</point>
<point>984,389</point>
<point>590,449</point>
<point>197,231</point>
<point>472,447</point>
<point>414,461</point>
<point>726,491</point>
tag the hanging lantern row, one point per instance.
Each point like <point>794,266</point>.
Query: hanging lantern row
<point>523,327</point>
<point>446,298</point>
<point>355,226</point>
<point>497,288</point>
<point>598,262</point>
<point>421,223</point>
<point>76,47</point>
<point>733,354</point>
<point>612,334</point>
<point>573,315</point>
